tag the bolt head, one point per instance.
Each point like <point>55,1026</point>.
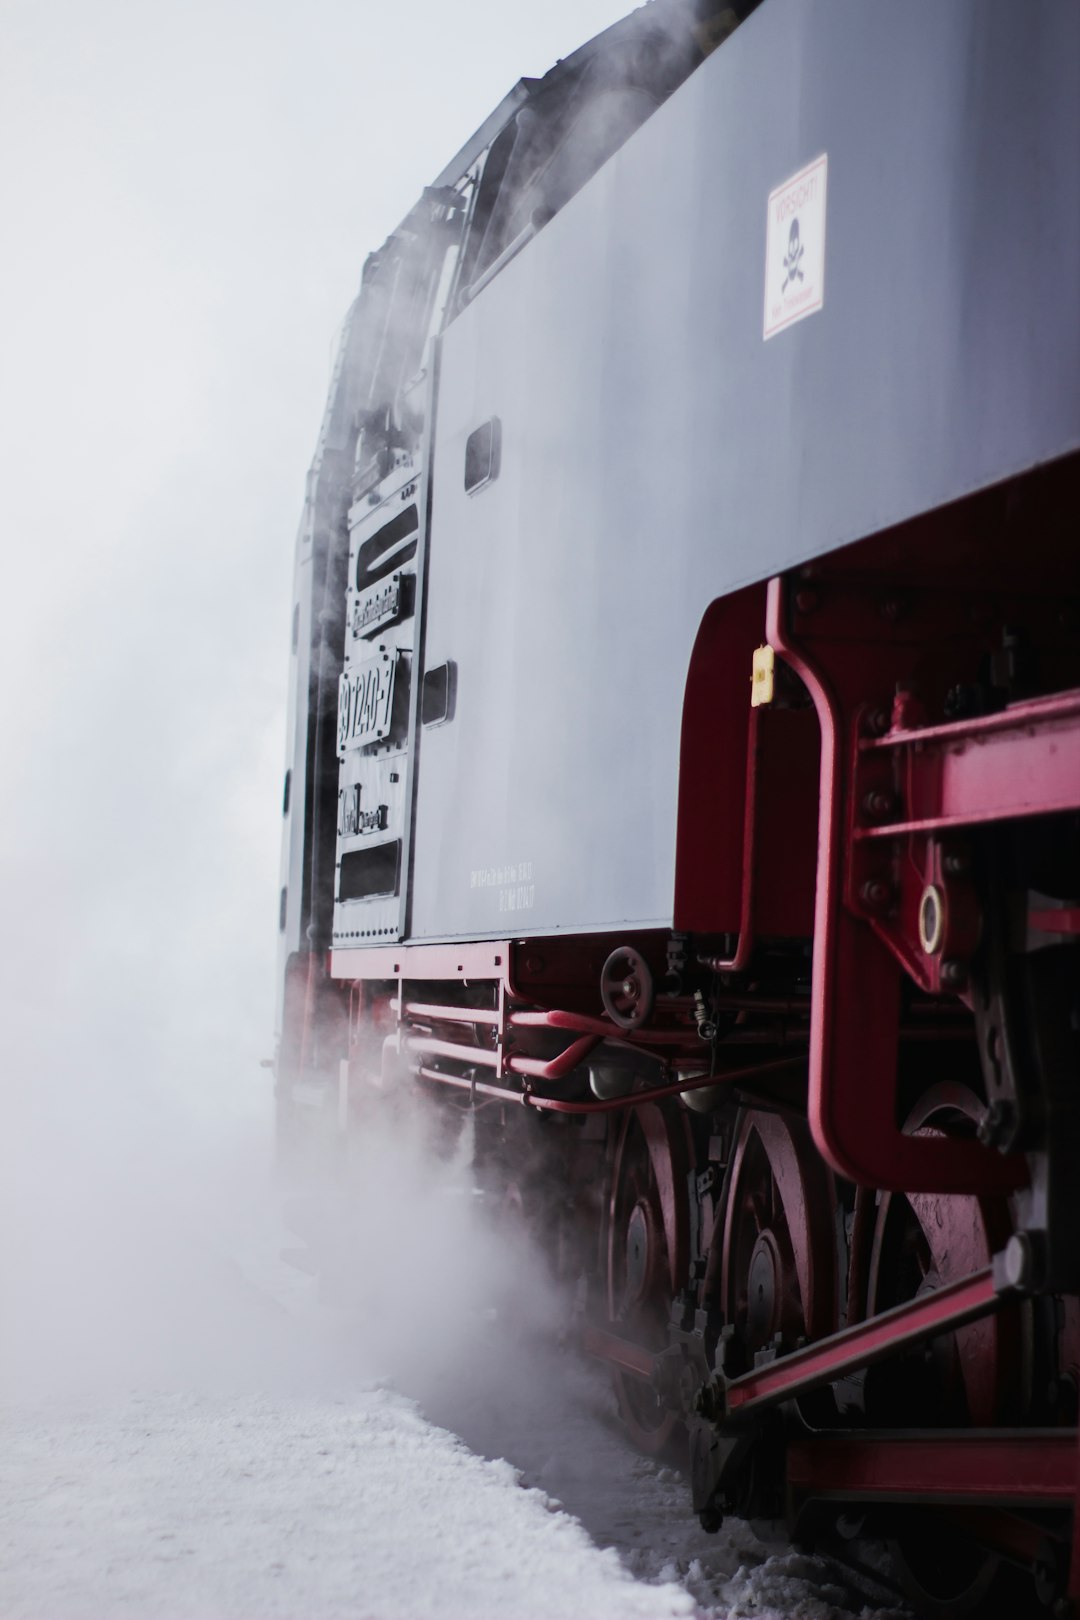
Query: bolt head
<point>876,892</point>
<point>878,802</point>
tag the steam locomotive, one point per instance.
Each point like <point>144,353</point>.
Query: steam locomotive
<point>684,746</point>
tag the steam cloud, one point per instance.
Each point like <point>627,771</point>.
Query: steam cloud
<point>144,1251</point>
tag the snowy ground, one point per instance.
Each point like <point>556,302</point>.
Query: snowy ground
<point>194,1506</point>
<point>198,1506</point>
<point>190,1435</point>
<point>216,1505</point>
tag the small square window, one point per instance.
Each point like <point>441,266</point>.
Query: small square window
<point>437,694</point>
<point>482,453</point>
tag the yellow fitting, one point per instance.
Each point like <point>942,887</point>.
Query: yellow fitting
<point>761,677</point>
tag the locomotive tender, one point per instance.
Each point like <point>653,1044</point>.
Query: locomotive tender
<point>684,747</point>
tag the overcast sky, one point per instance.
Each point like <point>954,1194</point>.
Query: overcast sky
<point>187,196</point>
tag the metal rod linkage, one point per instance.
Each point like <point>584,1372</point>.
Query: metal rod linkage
<point>860,1346</point>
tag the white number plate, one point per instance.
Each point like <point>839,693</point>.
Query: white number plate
<point>365,702</point>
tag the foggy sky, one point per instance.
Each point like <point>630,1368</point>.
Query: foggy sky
<point>187,196</point>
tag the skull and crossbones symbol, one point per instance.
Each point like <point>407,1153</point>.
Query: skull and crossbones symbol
<point>793,257</point>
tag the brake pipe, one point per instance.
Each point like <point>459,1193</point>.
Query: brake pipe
<point>446,1015</point>
<point>582,1023</point>
<point>608,1105</point>
<point>555,1068</point>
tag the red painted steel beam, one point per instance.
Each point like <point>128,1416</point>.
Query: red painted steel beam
<point>861,1346</point>
<point>1033,1467</point>
<point>1058,707</point>
<point>1022,762</point>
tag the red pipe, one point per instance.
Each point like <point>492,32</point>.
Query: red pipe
<point>451,1049</point>
<point>555,1068</point>
<point>558,1106</point>
<point>447,1015</point>
<point>481,1087</point>
<point>582,1023</point>
<point>657,1093</point>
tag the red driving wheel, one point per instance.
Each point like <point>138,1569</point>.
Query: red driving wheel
<point>778,1263</point>
<point>647,1253</point>
<point>921,1242</point>
<point>924,1240</point>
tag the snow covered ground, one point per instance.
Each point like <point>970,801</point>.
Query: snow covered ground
<point>210,1506</point>
<point>190,1434</point>
<point>200,1506</point>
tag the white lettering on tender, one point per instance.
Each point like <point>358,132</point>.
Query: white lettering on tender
<point>789,202</point>
<point>513,881</point>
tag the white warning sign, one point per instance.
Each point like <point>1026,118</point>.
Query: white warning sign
<point>795,248</point>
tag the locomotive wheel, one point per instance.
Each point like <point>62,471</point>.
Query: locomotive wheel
<point>647,1254</point>
<point>921,1242</point>
<point>949,1577</point>
<point>778,1268</point>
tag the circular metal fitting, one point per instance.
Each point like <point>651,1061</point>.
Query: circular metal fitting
<point>637,1253</point>
<point>764,1285</point>
<point>876,892</point>
<point>626,988</point>
<point>931,919</point>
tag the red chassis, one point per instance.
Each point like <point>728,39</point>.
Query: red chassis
<point>852,811</point>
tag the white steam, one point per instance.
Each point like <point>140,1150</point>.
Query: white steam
<point>143,1249</point>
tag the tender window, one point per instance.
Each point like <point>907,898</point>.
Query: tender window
<point>483,450</point>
